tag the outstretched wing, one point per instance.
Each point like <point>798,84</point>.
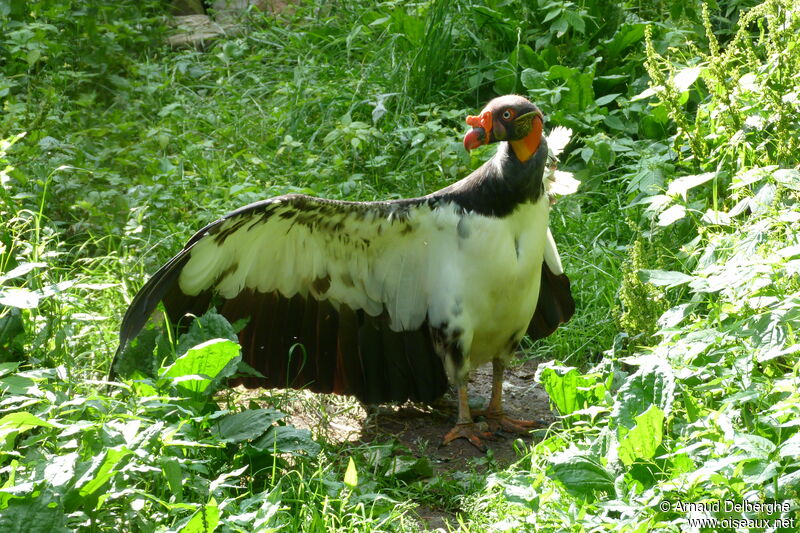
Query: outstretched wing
<point>339,295</point>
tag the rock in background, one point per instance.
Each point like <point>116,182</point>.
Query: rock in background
<point>196,25</point>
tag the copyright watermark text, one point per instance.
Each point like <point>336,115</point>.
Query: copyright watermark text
<point>696,510</point>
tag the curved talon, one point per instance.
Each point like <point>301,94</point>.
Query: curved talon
<point>499,421</point>
<point>471,431</point>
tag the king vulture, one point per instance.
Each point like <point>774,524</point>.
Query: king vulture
<point>389,301</point>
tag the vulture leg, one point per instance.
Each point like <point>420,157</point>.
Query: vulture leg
<point>465,428</point>
<point>494,413</point>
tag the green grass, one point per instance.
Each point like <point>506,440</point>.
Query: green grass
<point>676,380</point>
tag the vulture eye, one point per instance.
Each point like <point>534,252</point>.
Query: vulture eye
<point>507,114</point>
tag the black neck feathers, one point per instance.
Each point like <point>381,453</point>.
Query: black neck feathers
<point>498,186</point>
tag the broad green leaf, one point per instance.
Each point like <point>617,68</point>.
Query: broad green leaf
<point>581,93</point>
<point>553,13</point>
<point>580,473</point>
<point>643,440</point>
<point>686,77</point>
<point>19,422</point>
<point>204,520</point>
<point>12,336</point>
<point>786,487</point>
<point>142,356</point>
<point>607,99</point>
<point>649,174</point>
<point>55,288</point>
<point>791,447</point>
<point>768,337</point>
<point>664,278</point>
<point>194,371</point>
<point>626,35</point>
<point>22,421</point>
<point>20,271</point>
<point>525,56</point>
<point>674,316</point>
<point>221,481</point>
<point>671,215</point>
<point>575,21</point>
<point>754,446</point>
<point>19,385</point>
<point>409,468</point>
<point>61,469</point>
<point>351,474</point>
<point>18,491</point>
<point>718,218</point>
<point>601,153</point>
<point>210,326</point>
<point>615,122</point>
<point>41,514</point>
<point>287,439</point>
<point>101,471</point>
<point>751,176</point>
<point>652,384</point>
<point>569,390</point>
<point>247,425</point>
<point>174,475</point>
<point>788,177</point>
<point>8,368</point>
<point>680,186</point>
<point>533,79</point>
<point>268,508</point>
<point>560,26</point>
<point>647,93</point>
<point>519,491</point>
<point>19,297</point>
<point>377,454</point>
<point>756,473</point>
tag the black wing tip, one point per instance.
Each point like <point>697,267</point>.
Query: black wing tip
<point>145,302</point>
<point>554,307</point>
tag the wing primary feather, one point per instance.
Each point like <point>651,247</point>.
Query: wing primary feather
<point>297,367</point>
<point>373,361</point>
<point>307,336</point>
<point>555,305</point>
<point>145,302</point>
<point>430,378</point>
<point>327,325</point>
<point>396,371</point>
<point>347,356</point>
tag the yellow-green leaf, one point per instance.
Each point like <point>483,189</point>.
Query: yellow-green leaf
<point>351,475</point>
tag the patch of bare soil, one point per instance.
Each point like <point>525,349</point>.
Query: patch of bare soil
<point>420,428</point>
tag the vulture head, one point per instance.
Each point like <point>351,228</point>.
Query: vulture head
<point>507,118</point>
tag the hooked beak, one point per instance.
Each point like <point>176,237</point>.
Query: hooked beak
<point>474,138</point>
<point>480,132</point>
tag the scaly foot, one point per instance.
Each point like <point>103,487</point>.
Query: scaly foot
<point>473,432</point>
<point>498,421</point>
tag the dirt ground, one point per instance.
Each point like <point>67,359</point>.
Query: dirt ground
<point>420,428</point>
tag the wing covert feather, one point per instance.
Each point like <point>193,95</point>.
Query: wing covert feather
<point>374,259</point>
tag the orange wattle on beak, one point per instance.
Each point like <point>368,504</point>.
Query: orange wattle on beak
<point>481,129</point>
